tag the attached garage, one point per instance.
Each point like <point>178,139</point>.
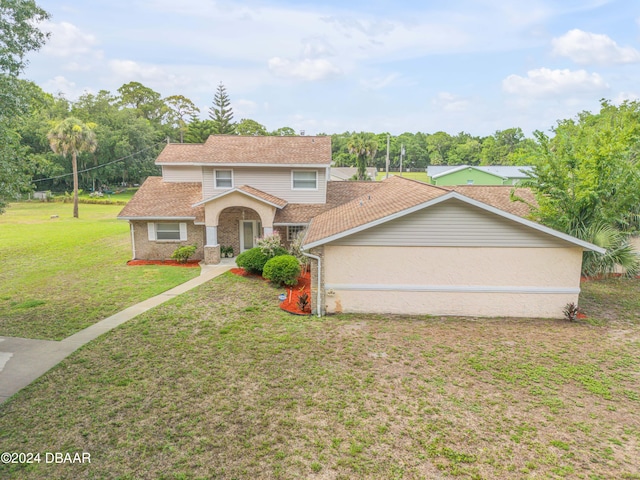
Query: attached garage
<point>419,249</point>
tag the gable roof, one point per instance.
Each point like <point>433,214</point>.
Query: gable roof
<point>502,171</point>
<point>399,196</point>
<point>391,196</point>
<point>251,192</point>
<point>241,150</point>
<point>338,193</point>
<point>157,199</point>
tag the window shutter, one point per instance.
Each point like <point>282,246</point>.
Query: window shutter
<point>183,231</point>
<point>152,231</point>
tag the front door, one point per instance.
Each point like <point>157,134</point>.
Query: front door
<point>249,231</point>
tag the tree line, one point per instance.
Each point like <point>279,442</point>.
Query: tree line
<point>586,171</point>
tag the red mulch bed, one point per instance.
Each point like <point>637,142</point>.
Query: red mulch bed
<point>293,293</point>
<point>172,263</point>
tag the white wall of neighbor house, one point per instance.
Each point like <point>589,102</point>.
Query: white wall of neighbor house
<point>469,281</point>
<point>273,180</point>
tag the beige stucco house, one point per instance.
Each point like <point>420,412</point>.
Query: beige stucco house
<point>397,246</point>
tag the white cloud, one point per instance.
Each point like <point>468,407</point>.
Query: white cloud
<point>243,108</point>
<point>449,102</point>
<point>61,85</point>
<point>544,82</point>
<point>626,96</point>
<point>67,40</point>
<point>592,48</point>
<point>307,69</point>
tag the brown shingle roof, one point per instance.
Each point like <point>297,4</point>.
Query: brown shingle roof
<point>236,149</point>
<point>392,196</point>
<point>397,194</point>
<point>263,195</point>
<point>337,193</point>
<point>499,196</point>
<point>158,199</point>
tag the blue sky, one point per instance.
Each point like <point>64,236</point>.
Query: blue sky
<point>327,67</point>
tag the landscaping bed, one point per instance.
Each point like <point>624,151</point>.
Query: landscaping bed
<point>290,304</point>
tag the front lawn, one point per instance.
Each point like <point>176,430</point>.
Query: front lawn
<point>60,275</point>
<point>220,383</point>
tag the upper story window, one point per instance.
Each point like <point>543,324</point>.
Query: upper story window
<point>304,180</point>
<point>224,178</point>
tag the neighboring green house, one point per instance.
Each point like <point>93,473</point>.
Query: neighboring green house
<point>445,175</point>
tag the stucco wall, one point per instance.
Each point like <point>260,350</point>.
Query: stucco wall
<point>214,208</point>
<point>523,282</point>
<point>162,250</point>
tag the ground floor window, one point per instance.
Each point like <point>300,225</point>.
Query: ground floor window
<point>168,231</point>
<point>293,231</point>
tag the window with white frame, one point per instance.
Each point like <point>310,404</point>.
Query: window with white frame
<point>224,178</point>
<point>169,231</point>
<point>293,231</point>
<point>304,180</point>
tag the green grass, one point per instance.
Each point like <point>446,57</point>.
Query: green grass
<point>422,176</point>
<point>60,275</point>
<point>200,388</point>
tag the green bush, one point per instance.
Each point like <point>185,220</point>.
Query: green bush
<point>282,270</point>
<point>254,260</point>
<point>182,254</point>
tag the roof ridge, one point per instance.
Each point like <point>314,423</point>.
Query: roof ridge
<point>441,187</point>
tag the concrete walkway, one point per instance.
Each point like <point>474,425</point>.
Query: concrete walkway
<point>22,360</point>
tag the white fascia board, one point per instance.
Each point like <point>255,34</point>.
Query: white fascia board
<point>255,165</point>
<point>379,221</point>
<point>470,201</point>
<point>534,225</point>
<point>294,224</point>
<point>156,218</point>
<point>233,190</point>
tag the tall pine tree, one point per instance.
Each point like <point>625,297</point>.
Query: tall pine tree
<point>221,113</point>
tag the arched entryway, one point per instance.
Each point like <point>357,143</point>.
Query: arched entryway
<point>238,227</point>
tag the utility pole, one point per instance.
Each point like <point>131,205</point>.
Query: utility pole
<point>387,176</point>
<point>401,156</point>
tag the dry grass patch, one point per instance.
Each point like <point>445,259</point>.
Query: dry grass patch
<point>220,383</point>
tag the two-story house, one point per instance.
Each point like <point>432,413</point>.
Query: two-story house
<point>396,246</point>
<point>230,191</point>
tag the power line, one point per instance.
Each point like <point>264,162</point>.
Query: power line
<point>98,166</point>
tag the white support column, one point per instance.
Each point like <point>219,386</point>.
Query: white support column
<point>212,236</point>
<point>268,231</point>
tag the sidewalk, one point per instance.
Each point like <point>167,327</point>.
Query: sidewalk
<point>22,360</point>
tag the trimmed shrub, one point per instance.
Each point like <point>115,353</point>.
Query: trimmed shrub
<point>182,254</point>
<point>282,270</point>
<point>252,260</point>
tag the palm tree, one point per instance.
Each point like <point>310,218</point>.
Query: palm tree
<point>364,147</point>
<point>71,136</point>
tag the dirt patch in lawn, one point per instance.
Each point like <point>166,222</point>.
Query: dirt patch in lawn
<point>166,263</point>
<point>293,294</point>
